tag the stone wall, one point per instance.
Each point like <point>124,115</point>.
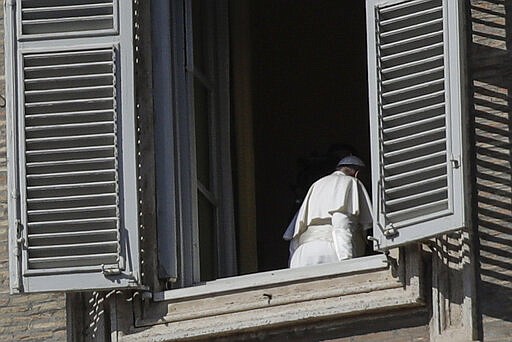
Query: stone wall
<point>39,317</point>
<point>491,86</point>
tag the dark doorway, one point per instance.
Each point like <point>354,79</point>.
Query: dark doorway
<point>309,93</point>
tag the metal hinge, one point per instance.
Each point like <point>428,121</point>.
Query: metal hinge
<point>20,243</point>
<point>110,270</point>
<point>390,230</point>
<point>20,240</point>
<point>455,161</point>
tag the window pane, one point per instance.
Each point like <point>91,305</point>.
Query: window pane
<point>202,126</point>
<point>199,25</point>
<point>206,213</point>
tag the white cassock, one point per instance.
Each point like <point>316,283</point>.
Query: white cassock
<point>331,221</point>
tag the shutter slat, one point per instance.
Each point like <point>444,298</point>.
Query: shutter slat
<point>68,238</point>
<point>402,5</point>
<point>70,162</point>
<point>89,113</point>
<point>412,76</point>
<point>412,161</point>
<point>73,261</point>
<point>63,139</point>
<point>416,27</point>
<point>423,209</point>
<point>414,87</point>
<point>418,99</point>
<point>414,186</point>
<point>70,210</point>
<point>412,125</point>
<point>422,38</point>
<point>74,101</point>
<point>62,91</point>
<point>402,54</point>
<point>412,113</point>
<point>77,234</point>
<point>74,249</point>
<point>70,174</point>
<point>430,134</point>
<point>68,67</point>
<point>71,150</point>
<point>407,200</point>
<point>417,172</point>
<point>412,64</point>
<point>86,125</point>
<point>413,15</point>
<point>60,82</point>
<point>69,186</point>
<point>414,149</point>
<point>90,222</point>
<point>76,55</point>
<point>64,18</point>
<point>51,9</point>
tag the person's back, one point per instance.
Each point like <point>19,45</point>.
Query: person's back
<point>328,225</point>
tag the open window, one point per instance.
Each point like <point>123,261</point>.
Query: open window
<point>296,83</point>
<point>237,108</point>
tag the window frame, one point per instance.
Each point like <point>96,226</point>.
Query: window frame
<point>179,290</point>
<point>176,181</point>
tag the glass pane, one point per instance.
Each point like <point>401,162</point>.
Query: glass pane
<point>202,133</point>
<point>199,26</point>
<point>206,219</point>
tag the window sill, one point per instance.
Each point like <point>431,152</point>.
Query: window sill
<point>270,300</point>
<point>262,279</point>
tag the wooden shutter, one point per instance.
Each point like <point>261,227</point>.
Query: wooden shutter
<point>415,109</point>
<point>71,145</point>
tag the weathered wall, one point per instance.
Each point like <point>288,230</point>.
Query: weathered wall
<point>38,317</point>
<point>491,86</point>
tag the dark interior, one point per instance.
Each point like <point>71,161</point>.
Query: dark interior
<point>309,96</point>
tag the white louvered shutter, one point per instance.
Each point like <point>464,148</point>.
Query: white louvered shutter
<point>71,145</point>
<point>415,118</point>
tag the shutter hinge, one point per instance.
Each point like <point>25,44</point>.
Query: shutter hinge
<point>110,270</point>
<point>455,161</point>
<point>390,230</point>
<point>19,237</point>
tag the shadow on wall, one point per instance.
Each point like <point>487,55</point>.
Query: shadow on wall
<point>491,85</point>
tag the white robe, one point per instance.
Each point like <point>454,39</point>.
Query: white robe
<point>338,203</point>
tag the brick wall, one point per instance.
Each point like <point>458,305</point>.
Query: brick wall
<point>38,317</point>
<point>491,85</point>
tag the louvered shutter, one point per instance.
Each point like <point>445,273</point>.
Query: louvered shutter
<point>415,118</point>
<point>71,145</point>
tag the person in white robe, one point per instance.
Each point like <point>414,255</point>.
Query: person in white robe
<point>331,223</point>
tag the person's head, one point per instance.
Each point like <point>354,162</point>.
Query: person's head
<point>350,165</point>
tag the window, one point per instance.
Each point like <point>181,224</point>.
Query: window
<point>77,94</point>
